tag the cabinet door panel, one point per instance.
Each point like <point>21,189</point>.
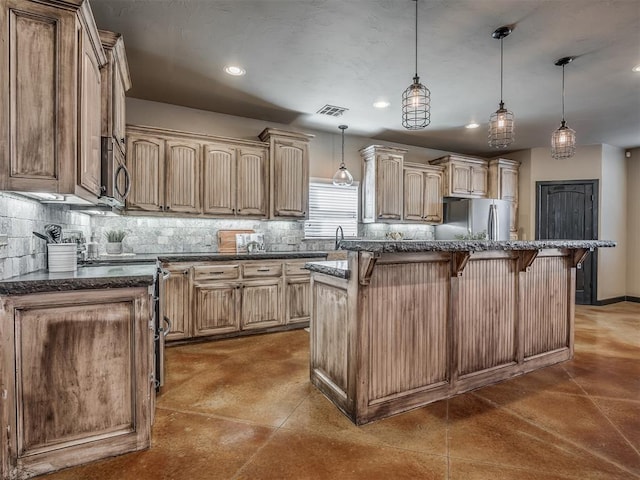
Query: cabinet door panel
<point>119,106</point>
<point>176,304</point>
<point>90,119</point>
<point>82,356</point>
<point>509,184</point>
<point>260,305</point>
<point>182,192</point>
<point>145,162</point>
<point>216,309</point>
<point>219,180</point>
<point>389,187</point>
<point>298,300</point>
<point>39,95</point>
<point>479,181</point>
<point>413,195</point>
<point>291,179</point>
<point>433,197</point>
<point>460,179</point>
<point>251,182</point>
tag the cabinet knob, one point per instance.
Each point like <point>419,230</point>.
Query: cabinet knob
<point>122,140</point>
<point>167,207</point>
<point>186,272</point>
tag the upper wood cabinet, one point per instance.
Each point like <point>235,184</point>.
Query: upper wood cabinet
<point>196,174</point>
<point>251,182</point>
<point>50,104</point>
<point>146,162</point>
<point>182,175</point>
<point>422,191</point>
<point>289,160</point>
<point>503,184</point>
<point>382,178</point>
<point>463,176</point>
<point>115,82</point>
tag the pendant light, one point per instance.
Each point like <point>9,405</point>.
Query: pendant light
<point>342,178</point>
<point>563,140</point>
<point>416,99</point>
<point>501,128</point>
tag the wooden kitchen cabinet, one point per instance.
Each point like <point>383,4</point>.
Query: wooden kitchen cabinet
<point>289,172</point>
<point>175,300</point>
<point>50,127</point>
<point>182,175</point>
<point>422,190</point>
<point>252,182</point>
<point>116,80</point>
<point>503,184</point>
<point>193,174</point>
<point>146,164</point>
<point>464,176</point>
<point>382,177</point>
<point>76,374</point>
<point>209,299</point>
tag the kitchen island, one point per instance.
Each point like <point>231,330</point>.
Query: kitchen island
<point>406,323</point>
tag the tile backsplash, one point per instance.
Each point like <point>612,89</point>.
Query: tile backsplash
<point>24,253</point>
<point>19,217</point>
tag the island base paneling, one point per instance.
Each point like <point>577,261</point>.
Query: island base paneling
<point>411,328</point>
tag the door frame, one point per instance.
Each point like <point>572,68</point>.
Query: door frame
<point>596,197</point>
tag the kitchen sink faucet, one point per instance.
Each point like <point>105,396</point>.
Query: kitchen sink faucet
<point>339,229</point>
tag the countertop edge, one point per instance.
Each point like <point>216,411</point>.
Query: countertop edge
<point>383,246</point>
<point>334,268</point>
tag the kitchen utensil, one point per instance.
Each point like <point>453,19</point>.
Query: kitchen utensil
<point>43,237</point>
<point>54,232</point>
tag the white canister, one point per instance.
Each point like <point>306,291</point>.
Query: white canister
<point>62,257</point>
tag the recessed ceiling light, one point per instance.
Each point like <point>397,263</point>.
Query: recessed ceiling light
<point>472,125</point>
<point>636,68</point>
<point>381,104</point>
<point>235,70</point>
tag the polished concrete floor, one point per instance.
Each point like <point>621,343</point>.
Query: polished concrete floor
<point>244,409</point>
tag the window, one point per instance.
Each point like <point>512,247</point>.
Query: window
<point>329,207</point>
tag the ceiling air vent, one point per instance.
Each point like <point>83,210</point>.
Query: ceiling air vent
<point>332,110</point>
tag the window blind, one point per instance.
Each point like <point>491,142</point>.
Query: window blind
<point>331,206</point>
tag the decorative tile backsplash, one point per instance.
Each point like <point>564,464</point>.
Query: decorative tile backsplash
<point>19,217</point>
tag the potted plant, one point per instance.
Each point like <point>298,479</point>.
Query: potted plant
<point>114,241</point>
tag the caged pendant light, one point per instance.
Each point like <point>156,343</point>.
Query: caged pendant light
<point>501,127</point>
<point>416,99</point>
<point>342,177</point>
<point>563,140</point>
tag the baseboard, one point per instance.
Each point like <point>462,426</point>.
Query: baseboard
<point>609,301</point>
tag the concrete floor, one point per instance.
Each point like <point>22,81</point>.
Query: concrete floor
<point>244,409</point>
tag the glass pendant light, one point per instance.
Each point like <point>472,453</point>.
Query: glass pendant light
<point>563,140</point>
<point>501,127</point>
<point>342,178</point>
<point>416,99</point>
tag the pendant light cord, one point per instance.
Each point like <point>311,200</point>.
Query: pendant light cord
<point>563,122</point>
<point>501,67</point>
<point>342,162</point>
<point>416,38</point>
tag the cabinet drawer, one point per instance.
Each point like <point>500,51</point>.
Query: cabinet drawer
<point>254,270</point>
<point>216,272</point>
<point>297,268</point>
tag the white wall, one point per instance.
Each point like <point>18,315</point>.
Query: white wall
<point>612,224</point>
<point>324,149</point>
<point>633,223</point>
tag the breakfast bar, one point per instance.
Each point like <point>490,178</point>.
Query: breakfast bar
<point>402,324</point>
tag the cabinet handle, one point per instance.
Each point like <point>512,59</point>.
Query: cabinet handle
<point>122,140</point>
<point>167,207</point>
<point>165,274</point>
<point>166,331</point>
<point>216,273</point>
<point>233,210</point>
<point>264,270</point>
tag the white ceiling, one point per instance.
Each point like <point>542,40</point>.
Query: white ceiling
<point>303,54</point>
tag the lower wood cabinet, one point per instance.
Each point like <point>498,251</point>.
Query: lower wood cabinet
<point>75,371</point>
<point>207,299</point>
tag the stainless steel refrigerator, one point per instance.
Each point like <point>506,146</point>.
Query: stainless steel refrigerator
<point>469,218</point>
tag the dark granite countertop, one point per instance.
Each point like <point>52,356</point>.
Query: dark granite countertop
<point>335,268</point>
<point>466,245</point>
<point>197,257</point>
<point>120,276</point>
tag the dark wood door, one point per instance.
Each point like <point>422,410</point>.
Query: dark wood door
<point>569,210</point>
